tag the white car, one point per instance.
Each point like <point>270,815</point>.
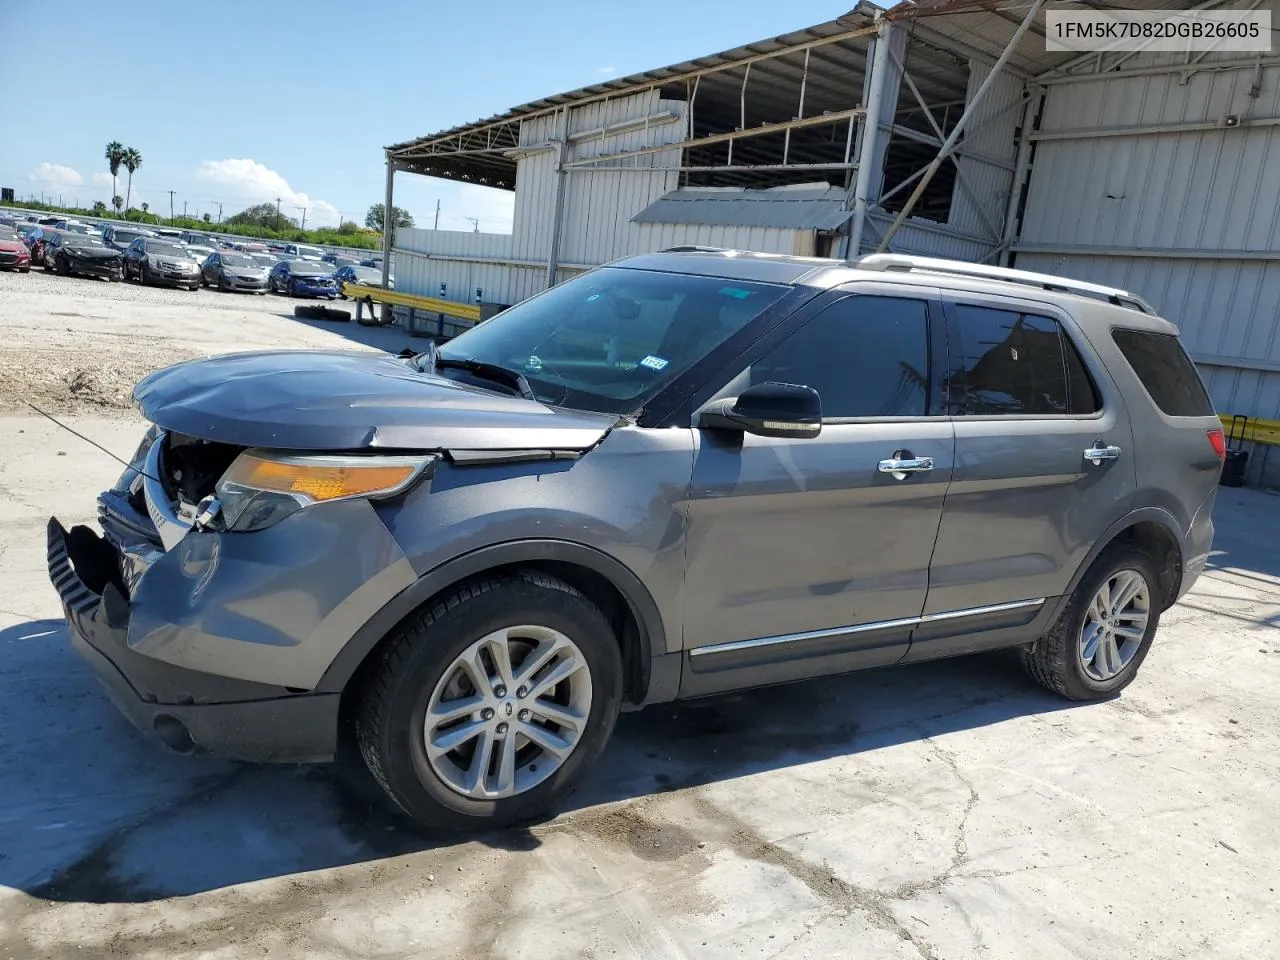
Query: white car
<point>300,251</point>
<point>197,252</point>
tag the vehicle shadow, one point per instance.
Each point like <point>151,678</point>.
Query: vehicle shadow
<point>392,339</point>
<point>100,814</point>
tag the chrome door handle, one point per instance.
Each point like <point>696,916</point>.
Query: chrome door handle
<point>1099,452</point>
<point>900,468</point>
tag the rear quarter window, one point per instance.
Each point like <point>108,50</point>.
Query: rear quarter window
<point>1166,371</point>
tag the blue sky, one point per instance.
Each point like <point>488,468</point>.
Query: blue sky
<point>241,102</point>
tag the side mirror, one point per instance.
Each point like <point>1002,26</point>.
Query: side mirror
<point>767,410</point>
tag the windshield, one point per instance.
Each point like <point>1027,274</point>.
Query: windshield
<point>238,260</point>
<point>609,339</point>
<point>125,237</point>
<point>77,228</point>
<point>160,248</point>
<point>309,252</point>
<point>366,274</point>
<point>310,268</point>
<point>75,240</point>
<point>8,233</point>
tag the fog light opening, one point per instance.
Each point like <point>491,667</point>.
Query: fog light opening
<point>174,733</point>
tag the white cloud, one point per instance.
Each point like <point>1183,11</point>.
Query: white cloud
<point>606,70</point>
<point>102,178</point>
<point>56,173</point>
<point>253,182</point>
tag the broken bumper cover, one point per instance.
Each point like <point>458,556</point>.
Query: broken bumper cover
<point>189,710</point>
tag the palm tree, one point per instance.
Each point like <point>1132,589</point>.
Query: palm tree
<point>132,160</point>
<point>117,201</point>
<point>115,156</point>
<point>145,206</point>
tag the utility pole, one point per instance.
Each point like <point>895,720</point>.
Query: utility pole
<point>437,223</point>
<point>171,193</point>
<point>474,223</point>
<point>219,203</point>
<point>277,213</point>
<point>184,209</point>
<point>304,216</point>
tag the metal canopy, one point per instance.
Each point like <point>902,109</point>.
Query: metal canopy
<point>788,208</point>
<point>761,83</point>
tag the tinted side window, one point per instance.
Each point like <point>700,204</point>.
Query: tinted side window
<point>1166,371</point>
<point>866,356</point>
<point>1010,363</point>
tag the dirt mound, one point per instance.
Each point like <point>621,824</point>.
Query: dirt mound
<point>77,381</point>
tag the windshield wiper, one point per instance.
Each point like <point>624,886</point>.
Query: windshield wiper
<point>432,361</point>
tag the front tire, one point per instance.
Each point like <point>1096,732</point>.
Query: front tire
<point>489,705</point>
<point>1103,634</point>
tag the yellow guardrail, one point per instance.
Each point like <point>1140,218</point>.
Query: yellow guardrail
<point>450,308</point>
<point>1255,429</point>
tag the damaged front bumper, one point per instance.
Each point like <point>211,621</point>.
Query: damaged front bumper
<point>216,642</point>
<point>188,710</point>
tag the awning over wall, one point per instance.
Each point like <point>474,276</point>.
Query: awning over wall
<point>817,207</point>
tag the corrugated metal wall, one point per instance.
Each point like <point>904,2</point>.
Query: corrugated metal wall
<point>1188,219</point>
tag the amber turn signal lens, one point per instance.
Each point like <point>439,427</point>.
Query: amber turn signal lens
<point>317,481</point>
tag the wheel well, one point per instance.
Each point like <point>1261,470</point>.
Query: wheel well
<point>1159,542</point>
<point>596,587</point>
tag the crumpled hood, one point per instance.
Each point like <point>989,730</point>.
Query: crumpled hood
<point>314,400</point>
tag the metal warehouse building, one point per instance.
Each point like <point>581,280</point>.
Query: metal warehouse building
<point>1155,172</point>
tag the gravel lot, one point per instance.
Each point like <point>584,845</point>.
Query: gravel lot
<point>939,811</point>
<point>79,344</point>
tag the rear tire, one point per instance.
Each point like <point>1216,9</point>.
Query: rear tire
<point>529,614</point>
<point>1070,659</point>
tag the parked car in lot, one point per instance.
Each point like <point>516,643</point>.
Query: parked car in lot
<point>338,260</point>
<point>267,260</point>
<point>193,239</point>
<point>76,226</point>
<point>228,270</point>
<point>14,254</point>
<point>121,237</point>
<point>300,251</point>
<point>303,278</point>
<point>35,237</point>
<point>681,474</point>
<point>78,254</point>
<point>198,252</point>
<point>157,261</point>
<point>367,276</point>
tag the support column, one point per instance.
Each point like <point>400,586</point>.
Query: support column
<point>1035,96</point>
<point>562,154</point>
<point>880,64</point>
<point>388,234</point>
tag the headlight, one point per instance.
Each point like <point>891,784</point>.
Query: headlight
<point>262,487</point>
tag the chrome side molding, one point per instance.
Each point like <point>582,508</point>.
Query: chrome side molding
<point>866,627</point>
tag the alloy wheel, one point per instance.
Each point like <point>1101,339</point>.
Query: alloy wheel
<point>1115,623</point>
<point>508,712</point>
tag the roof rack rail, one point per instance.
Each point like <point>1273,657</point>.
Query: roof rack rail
<point>694,248</point>
<point>960,268</point>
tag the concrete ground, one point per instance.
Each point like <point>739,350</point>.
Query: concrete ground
<point>946,810</point>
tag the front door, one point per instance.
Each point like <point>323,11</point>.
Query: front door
<point>807,556</point>
<point>1030,403</point>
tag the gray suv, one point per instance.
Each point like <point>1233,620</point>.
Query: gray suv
<point>681,474</point>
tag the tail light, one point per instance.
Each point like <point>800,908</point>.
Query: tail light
<point>1218,442</point>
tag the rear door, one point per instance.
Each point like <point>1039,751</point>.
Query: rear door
<point>1044,465</point>
<point>806,556</point>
